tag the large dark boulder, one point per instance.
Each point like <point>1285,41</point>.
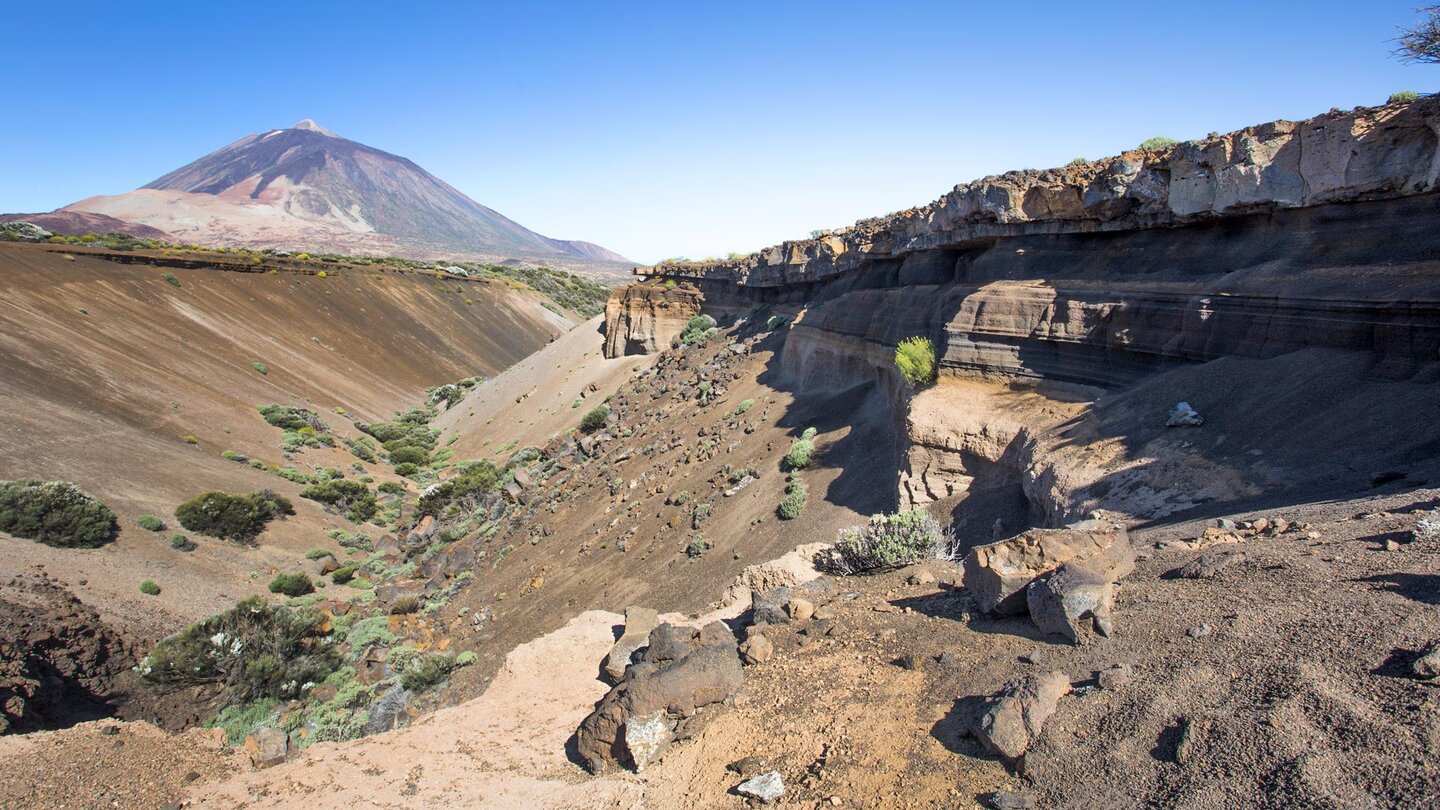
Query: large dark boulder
<point>680,671</point>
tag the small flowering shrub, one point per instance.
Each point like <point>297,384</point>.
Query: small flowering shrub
<point>885,543</point>
<point>253,651</point>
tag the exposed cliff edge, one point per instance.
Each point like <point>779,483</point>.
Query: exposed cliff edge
<point>1369,153</point>
<point>647,317</point>
<point>1105,292</point>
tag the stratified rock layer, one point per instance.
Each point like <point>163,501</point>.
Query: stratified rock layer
<point>1311,244</point>
<point>644,318</point>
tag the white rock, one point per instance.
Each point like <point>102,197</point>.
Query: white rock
<point>767,787</point>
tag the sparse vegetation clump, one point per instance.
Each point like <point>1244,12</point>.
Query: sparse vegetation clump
<point>362,448</point>
<point>260,367</point>
<point>170,279</point>
<point>1157,142</point>
<point>461,495</point>
<point>293,584</point>
<point>149,588</point>
<point>150,523</point>
<point>56,513</point>
<point>232,517</point>
<point>595,418</point>
<point>180,542</point>
<point>253,651</point>
<point>697,329</point>
<point>915,359</point>
<point>794,501</point>
<point>407,439</point>
<point>744,406</point>
<point>885,543</point>
<point>697,546</point>
<point>1404,96</point>
<point>426,670</point>
<point>801,450</point>
<point>352,499</point>
<point>1079,161</point>
<point>287,417</point>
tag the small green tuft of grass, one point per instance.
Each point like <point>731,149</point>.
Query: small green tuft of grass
<point>149,588</point>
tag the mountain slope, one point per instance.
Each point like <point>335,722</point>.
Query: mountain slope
<point>306,188</point>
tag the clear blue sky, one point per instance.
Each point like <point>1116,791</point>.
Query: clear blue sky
<point>671,128</point>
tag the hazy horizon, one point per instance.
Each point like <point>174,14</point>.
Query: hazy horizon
<point>660,131</point>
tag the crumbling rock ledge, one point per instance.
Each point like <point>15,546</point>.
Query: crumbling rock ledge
<point>1365,154</point>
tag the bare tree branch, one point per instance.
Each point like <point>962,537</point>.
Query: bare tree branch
<point>1422,42</point>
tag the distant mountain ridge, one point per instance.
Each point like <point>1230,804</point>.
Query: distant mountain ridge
<point>306,188</point>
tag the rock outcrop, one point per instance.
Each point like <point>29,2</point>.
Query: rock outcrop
<point>644,318</point>
<point>1012,719</point>
<point>639,622</point>
<point>1365,154</point>
<point>998,574</point>
<point>681,670</point>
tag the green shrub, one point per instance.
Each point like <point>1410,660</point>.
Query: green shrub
<point>318,554</point>
<point>887,542</point>
<point>170,279</point>
<point>56,513</point>
<point>1157,142</point>
<point>744,406</point>
<point>150,523</point>
<point>915,358</point>
<point>426,671</point>
<point>296,583</point>
<point>697,329</point>
<point>801,450</point>
<point>149,588</point>
<point>391,488</point>
<point>180,542</point>
<point>1403,96</point>
<point>352,499</point>
<point>407,470</point>
<point>232,517</point>
<point>241,720</point>
<point>260,367</point>
<point>252,651</point>
<point>774,322</point>
<point>287,417</point>
<point>697,546</point>
<point>461,495</point>
<point>238,458</point>
<point>409,454</point>
<point>370,632</point>
<point>794,501</point>
<point>594,419</point>
<point>1079,161</point>
<point>362,448</point>
<point>340,576</point>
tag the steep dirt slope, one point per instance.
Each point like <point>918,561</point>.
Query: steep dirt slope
<point>108,369</point>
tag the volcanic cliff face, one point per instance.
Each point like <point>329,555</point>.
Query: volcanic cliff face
<point>1249,273</point>
<point>647,317</point>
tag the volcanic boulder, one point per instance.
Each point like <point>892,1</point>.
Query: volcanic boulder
<point>996,575</point>
<point>1012,719</point>
<point>680,671</point>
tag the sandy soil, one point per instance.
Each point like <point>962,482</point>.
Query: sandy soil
<point>107,369</point>
<point>1299,701</point>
